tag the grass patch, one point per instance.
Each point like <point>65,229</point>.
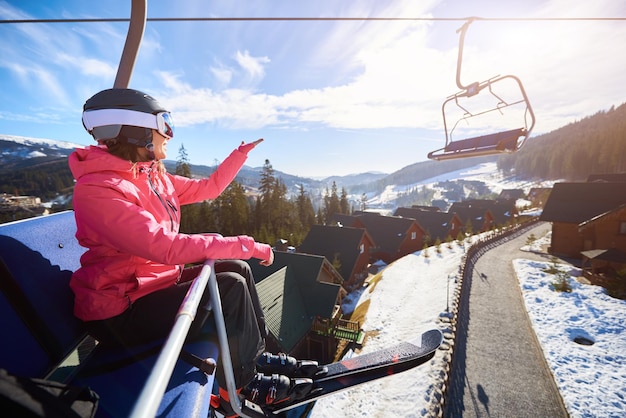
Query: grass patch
<point>561,281</point>
<point>374,281</point>
<point>360,312</point>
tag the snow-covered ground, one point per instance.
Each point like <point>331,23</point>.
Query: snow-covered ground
<point>411,296</point>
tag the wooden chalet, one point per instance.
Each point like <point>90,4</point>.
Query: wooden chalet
<point>441,204</point>
<point>296,292</point>
<point>586,216</point>
<point>347,249</point>
<point>438,225</point>
<point>394,236</point>
<point>477,218</point>
<point>425,208</point>
<point>342,219</point>
<point>606,230</point>
<point>608,177</point>
<point>538,196</point>
<point>512,194</point>
<point>606,268</point>
<point>502,212</point>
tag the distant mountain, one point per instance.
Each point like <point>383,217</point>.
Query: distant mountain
<point>22,159</point>
<point>354,179</point>
<point>250,176</point>
<point>18,152</point>
<point>413,174</point>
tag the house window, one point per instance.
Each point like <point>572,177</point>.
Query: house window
<point>361,248</point>
<point>622,228</point>
<point>413,235</point>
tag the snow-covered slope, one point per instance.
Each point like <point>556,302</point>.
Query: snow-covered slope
<point>15,148</point>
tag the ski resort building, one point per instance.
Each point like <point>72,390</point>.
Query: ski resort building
<point>347,249</point>
<point>296,292</point>
<point>586,216</point>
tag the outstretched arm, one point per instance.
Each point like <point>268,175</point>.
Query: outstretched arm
<point>197,190</point>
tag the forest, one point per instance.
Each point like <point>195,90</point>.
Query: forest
<point>593,145</point>
<point>269,215</point>
<point>46,180</point>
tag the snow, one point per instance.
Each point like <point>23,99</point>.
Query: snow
<point>52,143</point>
<point>411,296</point>
<point>36,154</point>
<point>487,173</point>
<point>591,378</point>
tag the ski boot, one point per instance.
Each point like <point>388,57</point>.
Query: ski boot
<point>283,364</point>
<point>276,389</point>
<point>264,391</point>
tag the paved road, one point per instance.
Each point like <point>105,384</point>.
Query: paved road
<point>499,369</point>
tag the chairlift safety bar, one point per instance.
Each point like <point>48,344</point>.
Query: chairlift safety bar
<point>148,402</point>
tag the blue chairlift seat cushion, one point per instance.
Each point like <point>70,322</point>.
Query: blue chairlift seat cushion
<point>118,382</point>
<point>37,259</point>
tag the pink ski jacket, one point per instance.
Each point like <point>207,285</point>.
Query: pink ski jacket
<point>128,216</point>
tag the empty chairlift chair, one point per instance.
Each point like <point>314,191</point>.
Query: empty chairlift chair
<point>504,103</point>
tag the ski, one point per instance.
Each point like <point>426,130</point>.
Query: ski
<point>365,368</point>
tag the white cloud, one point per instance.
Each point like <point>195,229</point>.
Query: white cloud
<point>222,75</point>
<point>40,79</point>
<point>253,66</point>
<point>88,66</point>
<point>230,108</point>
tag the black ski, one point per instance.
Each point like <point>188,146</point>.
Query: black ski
<point>358,370</point>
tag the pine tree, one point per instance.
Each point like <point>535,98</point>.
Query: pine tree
<point>331,203</point>
<point>337,262</point>
<point>206,218</point>
<point>182,163</point>
<point>232,210</point>
<point>363,202</point>
<point>306,212</point>
<point>280,212</point>
<point>468,229</point>
<point>188,213</point>
<point>344,205</point>
<point>266,188</point>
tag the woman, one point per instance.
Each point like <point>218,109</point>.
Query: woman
<point>132,278</point>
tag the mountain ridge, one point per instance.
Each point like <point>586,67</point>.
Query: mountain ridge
<point>19,152</point>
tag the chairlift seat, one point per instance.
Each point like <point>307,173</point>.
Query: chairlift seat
<point>506,141</point>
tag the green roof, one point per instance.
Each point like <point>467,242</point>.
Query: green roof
<point>291,296</point>
<point>334,241</point>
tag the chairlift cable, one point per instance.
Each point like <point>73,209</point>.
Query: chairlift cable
<point>390,19</point>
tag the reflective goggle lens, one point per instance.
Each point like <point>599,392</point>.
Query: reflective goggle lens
<point>165,124</point>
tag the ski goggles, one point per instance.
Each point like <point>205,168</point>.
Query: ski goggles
<point>107,123</point>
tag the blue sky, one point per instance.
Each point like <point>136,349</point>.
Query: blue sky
<point>329,97</point>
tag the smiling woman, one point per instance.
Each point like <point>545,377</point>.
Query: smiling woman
<point>133,278</point>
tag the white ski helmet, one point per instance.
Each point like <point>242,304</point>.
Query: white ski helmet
<point>126,115</point>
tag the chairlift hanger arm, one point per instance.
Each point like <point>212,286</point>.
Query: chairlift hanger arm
<point>472,88</point>
<point>138,15</point>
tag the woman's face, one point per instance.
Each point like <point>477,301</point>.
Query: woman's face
<point>159,143</point>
